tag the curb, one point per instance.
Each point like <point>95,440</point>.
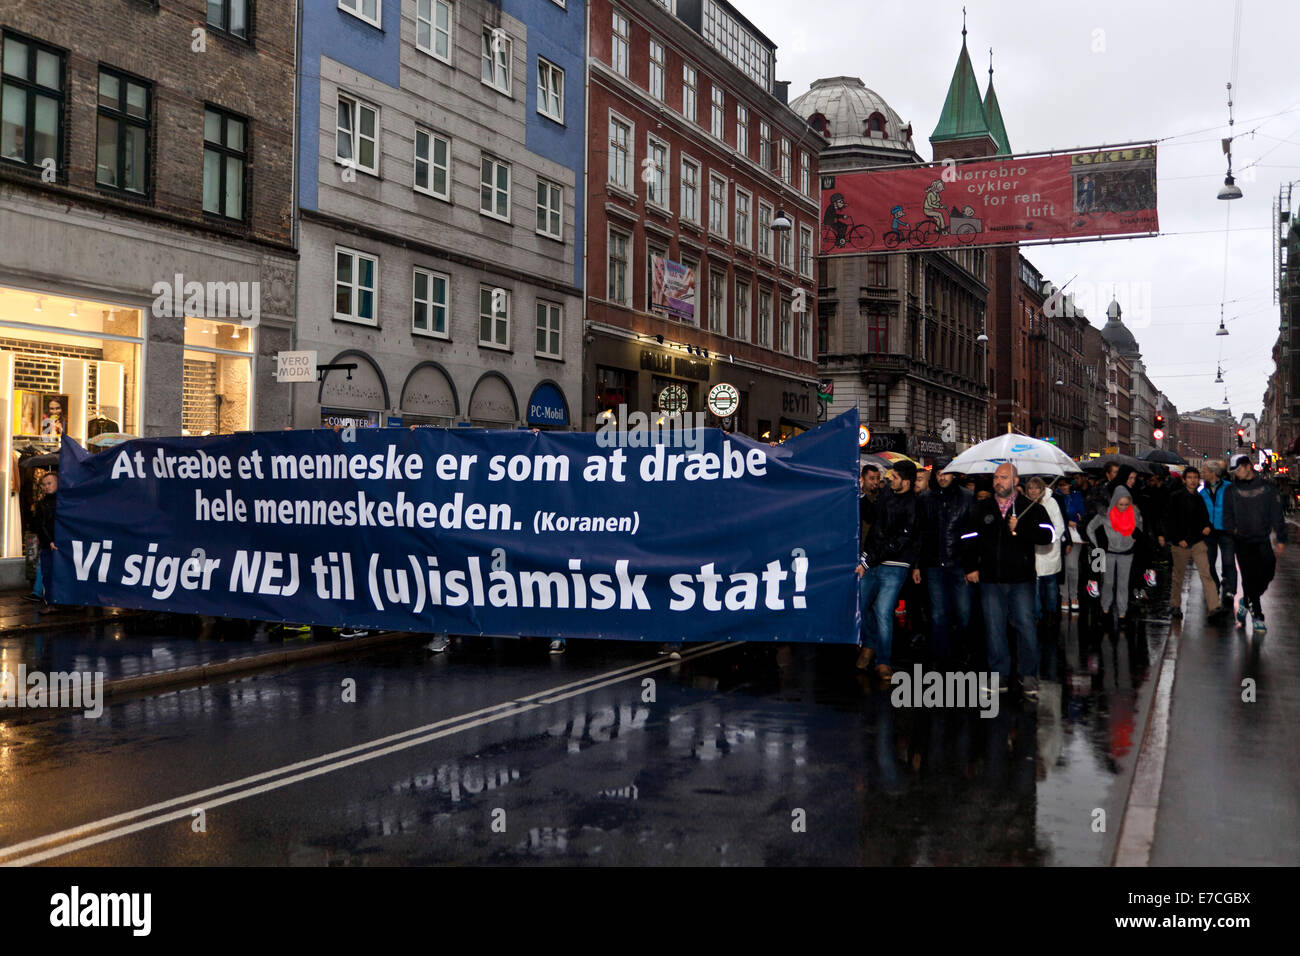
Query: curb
<point>47,624</point>
<point>199,674</point>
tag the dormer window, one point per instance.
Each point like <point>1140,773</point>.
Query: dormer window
<point>875,125</point>
<point>821,124</point>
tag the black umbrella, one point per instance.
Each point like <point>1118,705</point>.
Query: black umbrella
<point>1141,467</point>
<point>47,461</point>
<point>1163,455</point>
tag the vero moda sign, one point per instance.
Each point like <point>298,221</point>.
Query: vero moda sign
<point>471,531</point>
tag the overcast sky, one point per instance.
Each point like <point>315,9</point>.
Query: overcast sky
<point>1099,72</point>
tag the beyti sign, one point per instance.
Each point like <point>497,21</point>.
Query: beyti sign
<point>1015,199</point>
<point>695,535</point>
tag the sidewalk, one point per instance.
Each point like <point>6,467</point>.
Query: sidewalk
<point>18,616</point>
<point>1231,790</point>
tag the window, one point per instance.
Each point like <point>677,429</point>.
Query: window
<point>878,402</point>
<point>805,174</point>
<point>494,188</point>
<point>225,157</point>
<point>657,61</point>
<point>785,160</point>
<point>805,337</point>
<point>496,59</point>
<point>620,289</point>
<point>719,111</point>
<point>358,125</point>
<point>618,44</point>
<point>737,43</point>
<point>549,319</point>
<point>433,28</point>
<point>784,344</point>
<point>31,118</point>
<point>717,301</point>
<point>688,91</point>
<point>690,210</point>
<point>718,206</point>
<point>786,247</point>
<point>614,387</point>
<point>742,130</point>
<point>432,164</point>
<point>742,311</point>
<point>743,201</point>
<point>620,153</point>
<point>494,316</point>
<point>764,230</point>
<point>550,209</point>
<point>656,175</point>
<point>823,335</point>
<point>368,10</point>
<point>764,318</point>
<point>878,271</point>
<point>429,303</point>
<point>651,251</point>
<point>877,332</point>
<point>230,16</point>
<point>805,251</point>
<point>354,286</point>
<point>765,144</point>
<point>550,90</point>
<point>122,149</point>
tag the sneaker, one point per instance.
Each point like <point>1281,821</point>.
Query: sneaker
<point>1260,626</point>
<point>33,598</point>
<point>557,647</point>
<point>1175,614</point>
<point>1074,608</point>
<point>671,651</point>
<point>1030,694</point>
<point>439,643</point>
<point>1241,614</point>
<point>348,633</point>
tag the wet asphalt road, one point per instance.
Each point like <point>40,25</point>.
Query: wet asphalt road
<point>747,755</point>
<point>497,753</point>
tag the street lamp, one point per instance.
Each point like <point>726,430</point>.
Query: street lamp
<point>1230,188</point>
<point>782,222</point>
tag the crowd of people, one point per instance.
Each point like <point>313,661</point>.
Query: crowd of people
<point>1010,556</point>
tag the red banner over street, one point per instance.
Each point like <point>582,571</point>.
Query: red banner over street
<point>1014,199</point>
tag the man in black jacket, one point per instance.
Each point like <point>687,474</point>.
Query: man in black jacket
<point>1001,535</point>
<point>1187,525</point>
<point>892,549</point>
<point>1253,515</point>
<point>944,511</point>
<point>45,534</point>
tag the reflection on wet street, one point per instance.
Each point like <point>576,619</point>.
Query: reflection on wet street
<point>748,755</point>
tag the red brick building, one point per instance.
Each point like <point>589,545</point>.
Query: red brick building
<point>693,154</point>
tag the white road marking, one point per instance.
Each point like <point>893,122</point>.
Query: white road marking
<point>1138,828</point>
<point>360,753</point>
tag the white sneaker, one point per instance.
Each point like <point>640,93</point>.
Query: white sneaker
<point>439,643</point>
<point>557,647</point>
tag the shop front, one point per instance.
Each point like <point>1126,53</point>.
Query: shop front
<point>429,398</point>
<point>547,407</point>
<point>653,378</point>
<point>354,397</point>
<point>492,403</point>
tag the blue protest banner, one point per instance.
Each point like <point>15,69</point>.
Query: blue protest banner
<point>627,533</point>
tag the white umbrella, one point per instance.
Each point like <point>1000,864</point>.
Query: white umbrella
<point>1029,455</point>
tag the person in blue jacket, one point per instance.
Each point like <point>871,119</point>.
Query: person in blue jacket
<point>1220,543</point>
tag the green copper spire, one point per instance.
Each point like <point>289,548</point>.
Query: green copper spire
<point>994,114</point>
<point>963,113</point>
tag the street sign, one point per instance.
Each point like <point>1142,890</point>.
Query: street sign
<point>295,366</point>
<point>724,399</point>
<point>673,399</point>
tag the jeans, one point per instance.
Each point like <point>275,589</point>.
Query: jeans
<point>950,603</point>
<point>1013,603</point>
<point>880,587</point>
<point>1047,596</point>
<point>47,574</point>
<point>1221,543</point>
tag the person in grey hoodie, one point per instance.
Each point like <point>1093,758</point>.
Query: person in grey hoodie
<point>1116,532</point>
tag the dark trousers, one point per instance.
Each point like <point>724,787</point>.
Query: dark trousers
<point>1257,563</point>
<point>1010,604</point>
<point>47,573</point>
<point>950,604</point>
<point>1221,543</point>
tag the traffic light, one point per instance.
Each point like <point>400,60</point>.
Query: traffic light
<point>1241,436</point>
<point>1254,447</point>
<point>1160,421</point>
<point>1158,433</point>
